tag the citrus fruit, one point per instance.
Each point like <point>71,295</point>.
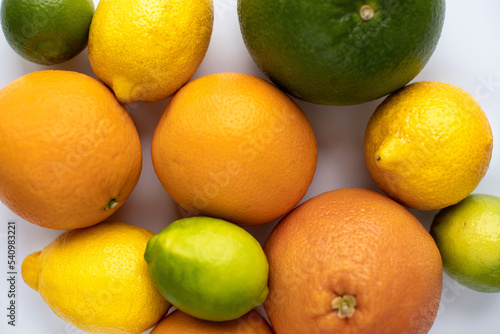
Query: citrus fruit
<point>233,146</point>
<point>208,268</point>
<point>70,152</point>
<point>47,32</point>
<point>468,237</point>
<point>428,145</point>
<point>96,279</point>
<point>179,322</point>
<point>145,50</point>
<point>341,52</point>
<point>352,261</point>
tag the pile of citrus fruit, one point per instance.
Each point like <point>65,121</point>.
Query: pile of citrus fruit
<point>234,150</point>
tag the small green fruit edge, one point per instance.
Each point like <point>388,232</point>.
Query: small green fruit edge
<point>468,237</point>
<point>47,32</point>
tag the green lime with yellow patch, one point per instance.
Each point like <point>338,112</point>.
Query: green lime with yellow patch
<point>468,237</point>
<point>47,32</point>
<point>208,268</point>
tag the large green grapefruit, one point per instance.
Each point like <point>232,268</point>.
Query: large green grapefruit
<point>341,52</point>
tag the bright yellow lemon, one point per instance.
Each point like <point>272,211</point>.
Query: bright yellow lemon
<point>145,50</point>
<point>428,145</point>
<point>97,280</point>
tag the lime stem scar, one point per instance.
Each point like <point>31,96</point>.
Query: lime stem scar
<point>345,306</point>
<point>111,204</point>
<point>366,12</point>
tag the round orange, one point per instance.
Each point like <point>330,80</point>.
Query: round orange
<point>70,152</point>
<point>233,146</point>
<point>352,261</point>
<point>179,322</point>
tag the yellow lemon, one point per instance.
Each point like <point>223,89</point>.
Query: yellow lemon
<point>97,280</point>
<point>428,145</point>
<point>145,50</point>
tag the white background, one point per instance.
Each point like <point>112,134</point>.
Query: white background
<point>468,55</point>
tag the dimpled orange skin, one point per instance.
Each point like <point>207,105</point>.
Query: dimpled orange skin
<point>179,322</point>
<point>233,146</point>
<point>67,147</point>
<point>352,242</point>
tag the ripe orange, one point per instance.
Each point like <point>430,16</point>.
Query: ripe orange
<point>179,322</point>
<point>70,152</point>
<point>233,146</point>
<point>352,261</point>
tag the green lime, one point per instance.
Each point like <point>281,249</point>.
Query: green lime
<point>47,31</point>
<point>341,52</point>
<point>208,268</point>
<point>468,237</point>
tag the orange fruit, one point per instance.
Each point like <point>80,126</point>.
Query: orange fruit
<point>70,152</point>
<point>233,146</point>
<point>352,261</point>
<point>179,322</point>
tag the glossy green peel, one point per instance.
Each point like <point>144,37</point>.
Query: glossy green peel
<point>208,268</point>
<point>341,52</point>
<point>47,32</point>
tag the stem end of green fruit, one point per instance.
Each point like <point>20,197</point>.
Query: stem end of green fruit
<point>366,12</point>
